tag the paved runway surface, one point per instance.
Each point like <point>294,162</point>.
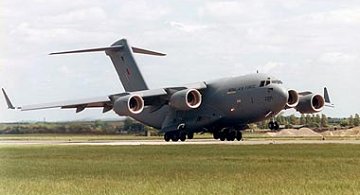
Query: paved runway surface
<point>162,142</point>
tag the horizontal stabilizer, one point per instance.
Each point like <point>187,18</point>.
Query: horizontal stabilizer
<point>111,48</point>
<point>145,51</point>
<point>8,102</point>
<point>115,47</point>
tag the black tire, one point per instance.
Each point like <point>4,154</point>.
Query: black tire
<point>175,136</point>
<point>230,136</point>
<point>182,136</point>
<point>271,125</point>
<point>167,137</point>
<point>276,126</point>
<point>216,135</point>
<point>190,135</point>
<point>238,135</point>
<point>222,136</point>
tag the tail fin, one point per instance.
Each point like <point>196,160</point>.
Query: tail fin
<point>124,62</point>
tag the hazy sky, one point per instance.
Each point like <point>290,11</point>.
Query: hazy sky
<point>307,44</point>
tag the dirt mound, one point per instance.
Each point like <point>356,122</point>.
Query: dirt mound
<point>346,132</point>
<point>295,133</point>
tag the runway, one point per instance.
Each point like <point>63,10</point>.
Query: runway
<point>162,142</point>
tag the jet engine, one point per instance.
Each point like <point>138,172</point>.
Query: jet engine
<point>310,103</point>
<point>127,105</point>
<point>293,99</point>
<point>186,99</point>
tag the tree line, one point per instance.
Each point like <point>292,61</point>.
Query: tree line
<point>127,126</point>
<point>130,126</point>
<point>313,121</point>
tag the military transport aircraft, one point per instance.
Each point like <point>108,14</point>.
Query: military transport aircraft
<point>223,107</point>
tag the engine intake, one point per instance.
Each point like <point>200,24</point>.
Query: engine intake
<point>310,104</point>
<point>128,105</point>
<point>293,99</point>
<point>186,99</point>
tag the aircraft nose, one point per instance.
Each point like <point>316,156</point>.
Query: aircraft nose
<point>281,96</point>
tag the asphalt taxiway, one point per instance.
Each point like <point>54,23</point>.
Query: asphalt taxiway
<point>162,142</point>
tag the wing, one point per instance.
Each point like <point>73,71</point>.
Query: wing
<point>80,105</point>
<point>153,97</point>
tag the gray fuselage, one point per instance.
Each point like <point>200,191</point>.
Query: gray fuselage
<point>230,102</point>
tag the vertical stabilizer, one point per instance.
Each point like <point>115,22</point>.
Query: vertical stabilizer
<point>121,55</point>
<point>126,67</point>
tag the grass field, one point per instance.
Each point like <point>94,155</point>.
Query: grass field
<point>181,169</point>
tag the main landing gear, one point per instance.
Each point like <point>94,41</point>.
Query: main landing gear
<point>273,126</point>
<point>228,134</point>
<point>178,135</point>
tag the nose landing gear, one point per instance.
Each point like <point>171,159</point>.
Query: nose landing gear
<point>273,126</point>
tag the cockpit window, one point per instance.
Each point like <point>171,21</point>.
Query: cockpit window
<point>262,83</point>
<point>267,82</point>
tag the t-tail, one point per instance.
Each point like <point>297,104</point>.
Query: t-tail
<point>121,54</point>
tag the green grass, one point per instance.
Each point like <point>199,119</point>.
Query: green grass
<point>180,169</point>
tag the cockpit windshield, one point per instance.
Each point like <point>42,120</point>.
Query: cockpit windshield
<point>265,82</point>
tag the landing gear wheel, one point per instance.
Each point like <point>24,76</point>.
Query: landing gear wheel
<point>230,136</point>
<point>175,136</point>
<point>238,135</point>
<point>190,135</point>
<point>276,126</point>
<point>222,136</point>
<point>167,137</point>
<point>216,135</point>
<point>182,136</point>
<point>271,125</point>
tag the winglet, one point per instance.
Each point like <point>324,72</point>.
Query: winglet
<point>8,102</point>
<point>327,98</point>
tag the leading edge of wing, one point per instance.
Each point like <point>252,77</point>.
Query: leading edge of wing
<point>91,102</point>
<point>81,104</point>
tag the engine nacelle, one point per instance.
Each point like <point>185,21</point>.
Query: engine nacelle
<point>310,103</point>
<point>127,105</point>
<point>186,99</point>
<point>293,99</point>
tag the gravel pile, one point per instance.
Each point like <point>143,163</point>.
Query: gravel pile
<point>346,132</point>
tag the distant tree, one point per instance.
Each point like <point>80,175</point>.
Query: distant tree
<point>351,120</point>
<point>302,119</point>
<point>280,119</point>
<point>324,121</point>
<point>356,120</point>
<point>317,118</point>
<point>294,120</point>
<point>128,122</point>
<point>308,119</point>
<point>344,122</point>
